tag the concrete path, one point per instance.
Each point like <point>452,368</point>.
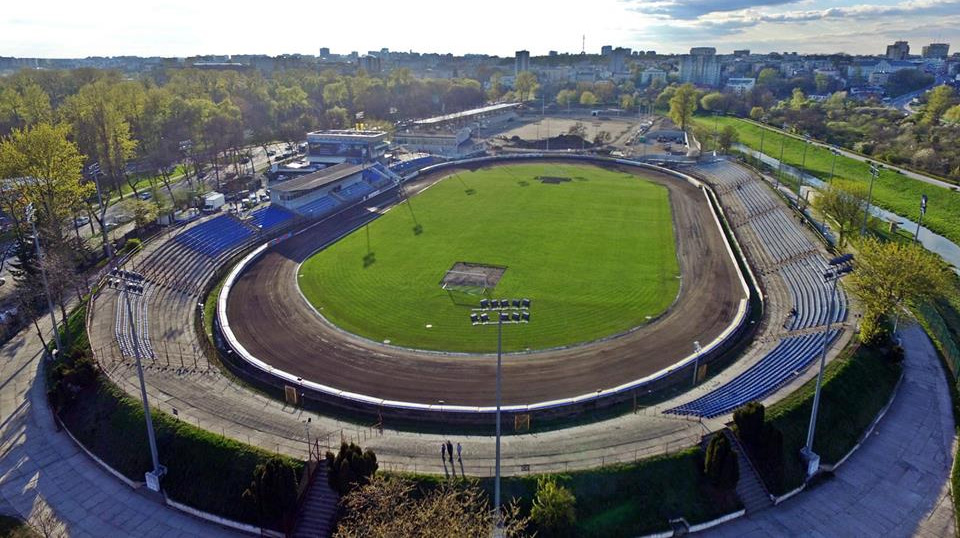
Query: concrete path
<point>46,480</point>
<point>897,483</point>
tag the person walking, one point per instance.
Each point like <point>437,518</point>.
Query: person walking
<point>459,451</point>
<point>450,450</point>
<point>443,451</point>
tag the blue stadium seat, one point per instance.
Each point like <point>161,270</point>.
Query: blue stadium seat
<point>788,359</point>
<point>215,236</point>
<point>269,217</point>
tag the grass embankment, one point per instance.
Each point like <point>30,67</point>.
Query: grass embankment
<point>205,470</point>
<point>856,386</point>
<point>892,191</point>
<point>629,499</point>
<point>595,253</point>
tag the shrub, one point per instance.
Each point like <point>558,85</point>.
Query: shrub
<point>554,508</point>
<point>720,465</point>
<point>272,496</point>
<point>350,467</point>
<point>749,420</point>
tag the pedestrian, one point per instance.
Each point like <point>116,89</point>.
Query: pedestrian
<point>450,450</point>
<point>443,451</point>
<point>459,450</point>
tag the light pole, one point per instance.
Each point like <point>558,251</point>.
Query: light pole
<point>837,267</point>
<point>783,138</point>
<point>763,131</point>
<point>506,311</point>
<point>43,275</point>
<point>874,172</point>
<point>803,168</point>
<point>129,281</point>
<point>923,211</point>
<point>94,171</point>
<point>696,360</point>
<point>833,166</point>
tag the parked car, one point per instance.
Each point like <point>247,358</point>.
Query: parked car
<point>145,196</point>
<point>82,220</point>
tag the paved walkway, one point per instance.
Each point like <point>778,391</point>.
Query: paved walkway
<point>47,480</point>
<point>897,483</point>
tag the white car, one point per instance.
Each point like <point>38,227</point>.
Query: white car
<point>82,220</point>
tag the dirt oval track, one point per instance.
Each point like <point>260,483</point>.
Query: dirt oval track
<point>270,318</point>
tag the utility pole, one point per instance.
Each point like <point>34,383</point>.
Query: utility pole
<point>43,275</point>
<point>696,361</point>
<point>94,172</point>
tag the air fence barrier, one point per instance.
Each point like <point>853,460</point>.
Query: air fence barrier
<point>275,381</point>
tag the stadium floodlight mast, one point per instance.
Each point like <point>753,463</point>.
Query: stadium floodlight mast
<point>31,214</point>
<point>836,153</point>
<point>874,172</point>
<point>510,312</point>
<point>836,269</point>
<point>128,282</point>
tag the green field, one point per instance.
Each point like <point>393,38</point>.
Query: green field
<point>596,256</point>
<point>892,191</point>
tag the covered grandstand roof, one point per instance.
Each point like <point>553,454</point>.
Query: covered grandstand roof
<point>321,178</point>
<point>466,114</point>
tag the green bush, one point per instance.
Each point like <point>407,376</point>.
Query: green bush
<point>351,467</point>
<point>554,508</point>
<point>272,495</point>
<point>720,464</point>
<point>750,422</point>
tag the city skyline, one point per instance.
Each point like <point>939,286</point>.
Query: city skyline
<point>179,28</point>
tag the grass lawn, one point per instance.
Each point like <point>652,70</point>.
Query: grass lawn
<point>892,191</point>
<point>855,388</point>
<point>596,256</point>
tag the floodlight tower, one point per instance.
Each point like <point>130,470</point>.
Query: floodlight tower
<point>836,268</point>
<point>133,282</point>
<point>43,274</point>
<point>509,312</point>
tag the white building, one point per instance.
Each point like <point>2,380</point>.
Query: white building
<point>741,85</point>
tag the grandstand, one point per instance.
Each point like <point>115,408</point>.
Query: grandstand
<point>791,265</point>
<point>342,182</point>
<point>789,359</point>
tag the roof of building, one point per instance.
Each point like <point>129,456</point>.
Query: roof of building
<point>349,134</point>
<point>466,114</point>
<point>321,178</point>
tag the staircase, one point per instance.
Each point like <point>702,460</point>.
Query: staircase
<point>750,487</point>
<point>316,515</point>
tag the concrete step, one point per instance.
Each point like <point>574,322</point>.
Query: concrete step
<point>753,494</point>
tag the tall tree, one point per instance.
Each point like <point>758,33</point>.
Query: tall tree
<point>525,85</point>
<point>843,202</point>
<point>939,101</point>
<point>683,104</point>
<point>890,275</point>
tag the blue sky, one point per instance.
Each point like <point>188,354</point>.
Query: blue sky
<point>61,28</point>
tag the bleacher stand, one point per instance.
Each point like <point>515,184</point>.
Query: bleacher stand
<point>778,246</point>
<point>268,218</point>
<point>786,361</point>
<point>215,236</point>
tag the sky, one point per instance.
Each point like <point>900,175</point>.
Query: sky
<point>71,29</point>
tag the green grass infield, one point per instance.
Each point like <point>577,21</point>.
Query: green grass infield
<point>594,251</point>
